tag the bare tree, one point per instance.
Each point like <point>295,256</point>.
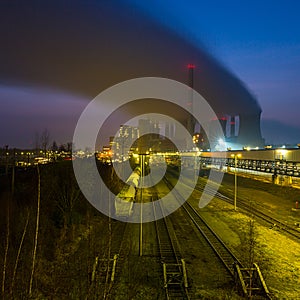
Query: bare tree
<point>6,250</point>
<point>36,232</point>
<point>69,147</point>
<point>67,195</point>
<point>45,137</point>
<point>54,146</point>
<point>37,142</point>
<point>18,254</point>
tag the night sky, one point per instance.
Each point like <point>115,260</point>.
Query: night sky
<point>56,56</point>
<point>259,41</point>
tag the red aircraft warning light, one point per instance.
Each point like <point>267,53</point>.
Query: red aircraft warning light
<point>191,66</point>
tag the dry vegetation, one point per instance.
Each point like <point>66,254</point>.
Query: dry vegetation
<point>277,255</point>
<point>72,233</point>
<point>47,251</point>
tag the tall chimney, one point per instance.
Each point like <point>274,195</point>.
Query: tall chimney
<point>190,121</point>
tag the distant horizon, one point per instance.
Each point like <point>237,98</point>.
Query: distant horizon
<point>271,137</point>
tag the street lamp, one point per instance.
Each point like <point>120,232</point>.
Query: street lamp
<point>235,156</point>
<point>142,162</point>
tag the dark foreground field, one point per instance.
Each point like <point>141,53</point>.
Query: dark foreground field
<point>72,234</point>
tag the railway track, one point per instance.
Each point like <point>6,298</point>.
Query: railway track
<point>242,203</point>
<point>221,250</point>
<point>174,270</point>
<point>229,260</point>
<point>250,209</point>
<point>106,267</point>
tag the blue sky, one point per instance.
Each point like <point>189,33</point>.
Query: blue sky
<point>259,41</point>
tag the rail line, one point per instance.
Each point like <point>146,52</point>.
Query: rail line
<point>105,268</point>
<point>222,251</point>
<point>229,260</point>
<point>242,204</point>
<point>275,223</point>
<point>174,269</point>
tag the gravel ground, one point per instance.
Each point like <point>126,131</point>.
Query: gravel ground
<point>208,278</point>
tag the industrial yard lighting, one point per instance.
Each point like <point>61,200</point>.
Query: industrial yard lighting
<point>236,156</point>
<point>142,161</point>
<point>281,153</point>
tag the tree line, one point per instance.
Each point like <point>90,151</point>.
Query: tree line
<point>46,231</point>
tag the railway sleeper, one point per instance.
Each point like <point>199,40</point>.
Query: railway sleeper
<point>175,274</point>
<point>250,281</point>
<point>108,267</point>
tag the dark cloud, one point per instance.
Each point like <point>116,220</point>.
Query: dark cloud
<point>86,46</point>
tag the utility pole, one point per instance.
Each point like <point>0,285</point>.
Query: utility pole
<point>235,181</point>
<point>141,212</point>
<point>13,175</point>
<point>235,156</point>
<point>6,159</point>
